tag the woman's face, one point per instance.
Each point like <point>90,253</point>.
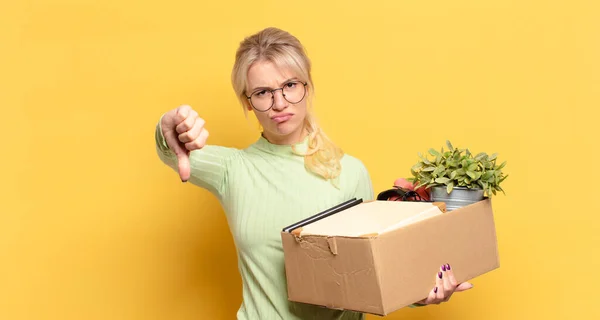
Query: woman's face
<point>283,123</point>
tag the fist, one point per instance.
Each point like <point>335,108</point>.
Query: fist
<point>184,131</point>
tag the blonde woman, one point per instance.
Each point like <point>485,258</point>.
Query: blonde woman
<point>291,171</point>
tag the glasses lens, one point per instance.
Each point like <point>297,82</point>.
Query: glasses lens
<point>262,100</point>
<point>294,91</point>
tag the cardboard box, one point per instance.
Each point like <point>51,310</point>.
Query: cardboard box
<point>377,257</point>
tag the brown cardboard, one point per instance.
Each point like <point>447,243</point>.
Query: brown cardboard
<point>381,272</point>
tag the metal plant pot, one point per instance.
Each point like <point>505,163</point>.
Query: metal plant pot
<point>459,197</point>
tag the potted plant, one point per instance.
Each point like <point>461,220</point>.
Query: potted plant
<point>458,177</point>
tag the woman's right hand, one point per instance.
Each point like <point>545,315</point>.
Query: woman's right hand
<point>184,132</point>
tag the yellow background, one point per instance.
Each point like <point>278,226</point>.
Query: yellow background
<point>93,226</point>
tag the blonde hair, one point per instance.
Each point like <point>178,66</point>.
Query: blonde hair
<point>322,156</point>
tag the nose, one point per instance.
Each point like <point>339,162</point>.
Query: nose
<point>279,102</point>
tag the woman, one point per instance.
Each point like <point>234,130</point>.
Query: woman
<point>293,170</point>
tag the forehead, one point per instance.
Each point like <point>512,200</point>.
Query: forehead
<point>268,74</point>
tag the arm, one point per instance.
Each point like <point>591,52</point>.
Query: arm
<point>364,186</point>
<point>201,164</point>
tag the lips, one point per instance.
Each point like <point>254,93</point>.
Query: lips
<point>282,117</point>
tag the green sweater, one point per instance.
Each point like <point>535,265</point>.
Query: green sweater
<point>262,189</point>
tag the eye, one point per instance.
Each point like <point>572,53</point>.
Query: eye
<point>260,93</point>
<point>291,84</point>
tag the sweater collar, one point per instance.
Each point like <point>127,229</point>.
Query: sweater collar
<point>283,149</point>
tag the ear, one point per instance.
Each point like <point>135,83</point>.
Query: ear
<point>247,104</point>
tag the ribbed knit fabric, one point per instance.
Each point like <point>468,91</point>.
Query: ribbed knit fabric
<point>262,189</point>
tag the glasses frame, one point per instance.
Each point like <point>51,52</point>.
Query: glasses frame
<point>272,91</point>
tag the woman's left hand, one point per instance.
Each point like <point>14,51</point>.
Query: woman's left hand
<point>445,286</point>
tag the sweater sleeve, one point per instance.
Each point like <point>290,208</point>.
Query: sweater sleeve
<point>208,166</point>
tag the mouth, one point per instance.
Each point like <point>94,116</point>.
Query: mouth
<point>282,117</point>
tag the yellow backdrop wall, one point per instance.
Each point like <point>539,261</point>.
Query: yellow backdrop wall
<point>93,226</point>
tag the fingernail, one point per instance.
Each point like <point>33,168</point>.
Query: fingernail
<point>435,289</point>
<point>443,267</point>
<point>448,266</point>
<point>184,181</point>
<point>440,274</point>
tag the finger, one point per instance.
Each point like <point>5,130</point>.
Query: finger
<point>448,287</point>
<point>450,276</point>
<point>181,114</point>
<point>193,133</point>
<point>199,143</point>
<point>439,283</point>
<point>183,161</point>
<point>431,297</point>
<point>183,164</point>
<point>464,287</point>
<point>187,123</point>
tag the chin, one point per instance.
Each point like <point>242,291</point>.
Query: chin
<point>285,129</point>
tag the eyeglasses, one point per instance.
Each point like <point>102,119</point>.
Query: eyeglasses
<point>263,100</point>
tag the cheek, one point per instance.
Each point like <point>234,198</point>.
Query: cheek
<point>301,108</point>
<point>263,118</point>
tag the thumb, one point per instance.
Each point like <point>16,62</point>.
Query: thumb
<point>183,159</point>
<point>463,287</point>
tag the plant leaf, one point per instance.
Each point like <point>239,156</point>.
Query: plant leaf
<point>472,174</point>
<point>480,156</point>
<point>487,175</point>
<point>501,165</point>
<point>417,166</point>
<point>442,180</point>
<point>472,166</point>
<point>449,145</point>
<point>420,185</point>
<point>449,187</point>
<point>464,163</point>
<point>434,152</point>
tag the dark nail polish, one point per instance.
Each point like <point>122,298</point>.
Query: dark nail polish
<point>184,181</point>
<point>435,289</point>
<point>443,267</point>
<point>448,266</point>
<point>440,274</point>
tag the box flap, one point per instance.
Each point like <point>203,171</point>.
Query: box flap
<point>371,218</point>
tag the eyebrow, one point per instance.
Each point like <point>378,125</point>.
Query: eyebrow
<point>269,88</point>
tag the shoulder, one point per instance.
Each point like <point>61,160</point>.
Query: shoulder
<point>357,177</point>
<point>353,168</point>
<point>352,164</point>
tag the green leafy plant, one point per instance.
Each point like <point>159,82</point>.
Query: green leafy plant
<point>459,168</point>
